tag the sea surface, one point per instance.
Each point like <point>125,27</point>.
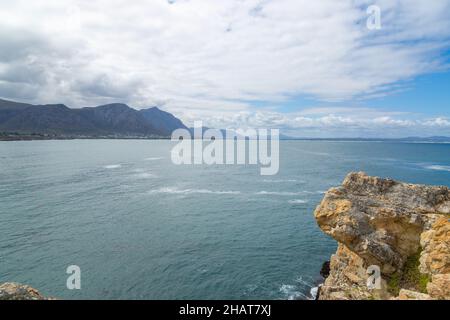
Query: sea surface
<point>140,227</point>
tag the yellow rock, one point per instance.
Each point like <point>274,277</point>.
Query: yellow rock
<point>439,288</point>
<point>412,295</point>
<point>435,258</point>
<point>382,222</point>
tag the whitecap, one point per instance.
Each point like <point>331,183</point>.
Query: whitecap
<point>438,168</point>
<point>190,191</point>
<point>298,201</point>
<point>153,159</point>
<point>145,175</point>
<point>113,166</point>
<point>281,181</point>
<point>291,292</point>
<point>314,291</point>
<point>315,192</point>
<point>279,193</point>
<point>304,282</point>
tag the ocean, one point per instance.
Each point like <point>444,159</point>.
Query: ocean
<point>140,227</point>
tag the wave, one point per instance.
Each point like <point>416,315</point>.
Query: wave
<point>113,166</point>
<point>315,192</point>
<point>314,291</point>
<point>282,180</point>
<point>153,159</point>
<point>292,292</point>
<point>438,168</point>
<point>141,173</point>
<point>174,190</point>
<point>281,193</point>
<point>298,201</point>
<point>145,175</point>
<point>190,191</point>
<point>300,289</point>
<point>287,193</point>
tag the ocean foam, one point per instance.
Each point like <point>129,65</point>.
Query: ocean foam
<point>314,291</point>
<point>153,159</point>
<point>291,292</point>
<point>283,193</point>
<point>315,192</point>
<point>298,201</point>
<point>438,168</point>
<point>282,181</point>
<point>113,166</point>
<point>304,289</point>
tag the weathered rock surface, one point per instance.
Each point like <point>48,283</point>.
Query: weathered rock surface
<point>412,295</point>
<point>436,247</point>
<point>15,291</point>
<point>439,288</point>
<point>385,223</point>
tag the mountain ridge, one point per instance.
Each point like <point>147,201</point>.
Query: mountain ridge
<point>109,120</point>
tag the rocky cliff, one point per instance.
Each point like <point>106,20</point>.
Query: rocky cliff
<point>400,229</point>
<point>15,291</point>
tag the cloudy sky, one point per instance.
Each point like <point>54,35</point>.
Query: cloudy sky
<point>311,68</point>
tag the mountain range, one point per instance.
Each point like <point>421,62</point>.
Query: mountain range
<point>22,121</point>
<point>111,120</point>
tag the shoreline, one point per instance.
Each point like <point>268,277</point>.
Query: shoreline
<point>7,137</point>
<point>56,138</point>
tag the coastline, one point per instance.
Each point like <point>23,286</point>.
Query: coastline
<point>7,137</point>
<point>37,137</point>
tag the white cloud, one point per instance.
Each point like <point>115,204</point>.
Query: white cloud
<point>438,122</point>
<point>214,58</point>
<point>348,122</point>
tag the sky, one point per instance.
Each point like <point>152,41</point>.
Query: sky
<point>309,68</point>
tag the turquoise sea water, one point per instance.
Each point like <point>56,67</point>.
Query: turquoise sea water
<point>140,227</point>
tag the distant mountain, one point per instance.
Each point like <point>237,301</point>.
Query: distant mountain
<point>10,105</point>
<point>112,120</point>
<point>163,121</point>
<point>439,139</point>
<point>427,139</point>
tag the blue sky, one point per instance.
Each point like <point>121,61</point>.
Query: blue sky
<point>309,68</point>
<point>428,95</point>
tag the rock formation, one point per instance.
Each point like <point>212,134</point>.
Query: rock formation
<point>401,229</point>
<point>15,291</point>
